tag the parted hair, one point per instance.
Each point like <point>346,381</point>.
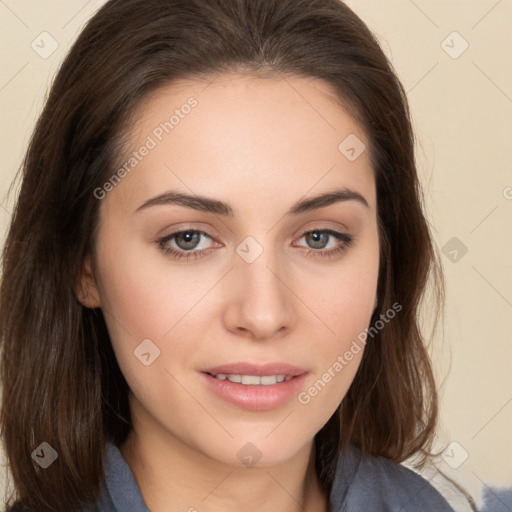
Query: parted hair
<point>61,383</point>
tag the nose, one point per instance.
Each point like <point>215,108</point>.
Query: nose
<point>261,304</point>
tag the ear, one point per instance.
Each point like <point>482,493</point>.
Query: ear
<point>86,290</point>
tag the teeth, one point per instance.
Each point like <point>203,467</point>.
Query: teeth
<point>254,380</point>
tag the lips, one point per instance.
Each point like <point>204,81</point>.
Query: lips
<point>256,387</point>
<point>254,397</point>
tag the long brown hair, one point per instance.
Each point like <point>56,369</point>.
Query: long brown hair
<point>60,378</point>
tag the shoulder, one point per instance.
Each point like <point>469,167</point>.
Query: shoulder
<point>378,483</point>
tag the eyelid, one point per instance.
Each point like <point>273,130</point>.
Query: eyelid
<point>343,231</point>
<point>186,226</point>
<point>340,228</point>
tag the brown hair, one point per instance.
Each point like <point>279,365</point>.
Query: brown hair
<point>60,378</point>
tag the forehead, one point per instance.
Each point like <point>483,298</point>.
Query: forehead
<point>236,134</point>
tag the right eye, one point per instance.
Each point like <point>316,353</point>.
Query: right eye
<point>186,241</point>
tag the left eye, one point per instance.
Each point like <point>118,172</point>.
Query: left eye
<point>187,242</point>
<point>319,237</point>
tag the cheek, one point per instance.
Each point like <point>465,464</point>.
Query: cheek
<point>339,349</point>
<point>141,291</point>
<point>345,298</point>
<point>345,303</point>
<point>144,298</point>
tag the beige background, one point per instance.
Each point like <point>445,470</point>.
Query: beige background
<point>462,112</point>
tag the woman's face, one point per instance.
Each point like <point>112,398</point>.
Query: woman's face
<point>262,273</point>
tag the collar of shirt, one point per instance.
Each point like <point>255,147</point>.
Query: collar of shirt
<point>375,483</point>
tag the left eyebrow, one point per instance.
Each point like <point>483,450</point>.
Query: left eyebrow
<point>217,207</point>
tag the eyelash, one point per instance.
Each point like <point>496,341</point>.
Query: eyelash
<point>329,253</point>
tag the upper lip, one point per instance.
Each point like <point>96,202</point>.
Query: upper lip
<point>260,370</point>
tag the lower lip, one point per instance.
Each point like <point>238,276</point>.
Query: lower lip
<point>255,397</point>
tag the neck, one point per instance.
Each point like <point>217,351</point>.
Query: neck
<point>173,477</point>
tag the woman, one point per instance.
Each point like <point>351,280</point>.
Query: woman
<point>214,269</point>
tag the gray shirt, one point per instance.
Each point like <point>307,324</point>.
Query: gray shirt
<point>379,485</point>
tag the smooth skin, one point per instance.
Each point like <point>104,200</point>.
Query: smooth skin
<point>261,145</point>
